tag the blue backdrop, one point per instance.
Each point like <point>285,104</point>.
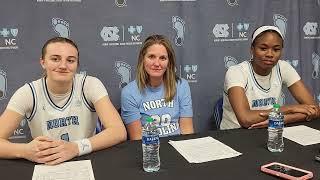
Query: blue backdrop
<point>208,36</point>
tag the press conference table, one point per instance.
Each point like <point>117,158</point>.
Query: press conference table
<point>124,161</point>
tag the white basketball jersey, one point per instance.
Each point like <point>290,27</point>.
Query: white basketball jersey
<point>75,120</point>
<point>259,97</point>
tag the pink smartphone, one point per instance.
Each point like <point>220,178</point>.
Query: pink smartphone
<point>286,172</point>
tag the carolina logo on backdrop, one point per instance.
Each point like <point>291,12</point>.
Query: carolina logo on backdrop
<point>8,38</point>
<point>178,25</point>
<point>281,22</point>
<point>123,69</point>
<point>311,30</point>
<point>189,72</point>
<point>120,3</point>
<point>61,27</point>
<point>3,84</point>
<point>121,35</point>
<point>231,32</point>
<point>316,63</point>
<point>229,61</point>
<point>233,2</point>
<point>20,132</point>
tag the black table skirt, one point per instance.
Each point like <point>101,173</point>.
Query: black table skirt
<point>124,161</point>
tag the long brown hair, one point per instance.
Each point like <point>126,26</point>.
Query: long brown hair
<point>170,78</point>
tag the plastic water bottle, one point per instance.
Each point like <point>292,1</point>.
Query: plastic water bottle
<point>150,146</point>
<point>275,129</point>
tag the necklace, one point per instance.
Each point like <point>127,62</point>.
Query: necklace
<point>261,81</point>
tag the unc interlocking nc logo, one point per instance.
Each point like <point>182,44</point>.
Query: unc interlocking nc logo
<point>61,27</point>
<point>121,3</point>
<point>310,28</point>
<point>221,30</point>
<point>110,33</point>
<point>233,2</point>
<point>281,22</point>
<point>178,25</point>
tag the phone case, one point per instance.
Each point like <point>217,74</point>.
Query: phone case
<point>264,168</point>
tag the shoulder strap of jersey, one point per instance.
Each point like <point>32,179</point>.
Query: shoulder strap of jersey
<point>34,101</point>
<point>83,80</point>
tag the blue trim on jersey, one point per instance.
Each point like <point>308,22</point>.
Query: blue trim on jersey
<point>45,89</point>
<point>34,100</point>
<point>256,82</point>
<point>92,109</point>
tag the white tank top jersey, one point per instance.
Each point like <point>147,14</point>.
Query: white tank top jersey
<point>261,92</point>
<point>75,120</point>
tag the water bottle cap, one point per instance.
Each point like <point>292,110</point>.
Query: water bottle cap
<point>276,106</point>
<point>149,119</point>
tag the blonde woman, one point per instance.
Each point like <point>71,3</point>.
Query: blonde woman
<point>157,92</point>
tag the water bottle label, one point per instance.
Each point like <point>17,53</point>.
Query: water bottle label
<point>150,140</point>
<point>275,123</point>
